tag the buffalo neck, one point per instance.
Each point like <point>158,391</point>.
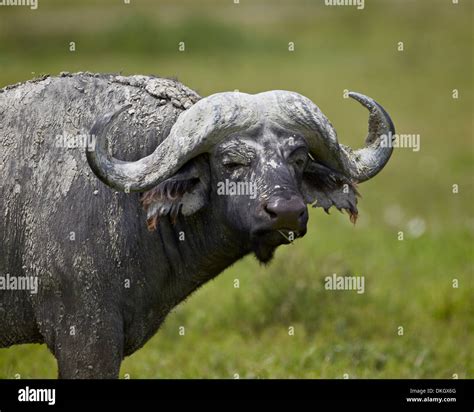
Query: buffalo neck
<point>197,248</point>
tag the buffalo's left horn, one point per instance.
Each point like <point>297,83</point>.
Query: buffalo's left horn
<point>296,112</point>
<point>365,163</point>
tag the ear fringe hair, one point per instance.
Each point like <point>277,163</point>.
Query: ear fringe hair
<point>165,200</point>
<point>326,188</point>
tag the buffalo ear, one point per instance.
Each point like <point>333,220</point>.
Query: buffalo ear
<point>323,187</point>
<point>185,192</point>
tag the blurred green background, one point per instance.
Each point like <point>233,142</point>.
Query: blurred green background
<point>245,46</point>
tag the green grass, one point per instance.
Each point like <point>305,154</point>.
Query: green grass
<point>244,331</point>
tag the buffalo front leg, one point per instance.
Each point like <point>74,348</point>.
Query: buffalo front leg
<point>89,348</point>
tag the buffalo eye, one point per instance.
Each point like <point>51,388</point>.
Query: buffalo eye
<point>298,158</point>
<point>299,162</point>
<point>235,163</point>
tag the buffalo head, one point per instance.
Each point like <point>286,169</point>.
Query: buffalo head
<point>257,160</point>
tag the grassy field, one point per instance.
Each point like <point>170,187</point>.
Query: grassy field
<point>409,283</point>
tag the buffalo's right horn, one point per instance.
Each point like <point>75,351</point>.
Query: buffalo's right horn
<point>196,131</point>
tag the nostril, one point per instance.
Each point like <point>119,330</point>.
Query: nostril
<point>302,213</point>
<point>272,214</point>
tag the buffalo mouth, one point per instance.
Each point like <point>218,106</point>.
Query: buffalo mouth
<point>281,236</point>
<point>265,241</point>
<point>278,236</point>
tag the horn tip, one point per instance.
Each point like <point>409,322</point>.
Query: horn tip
<point>363,99</point>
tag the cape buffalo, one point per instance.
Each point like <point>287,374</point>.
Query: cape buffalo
<point>93,269</point>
